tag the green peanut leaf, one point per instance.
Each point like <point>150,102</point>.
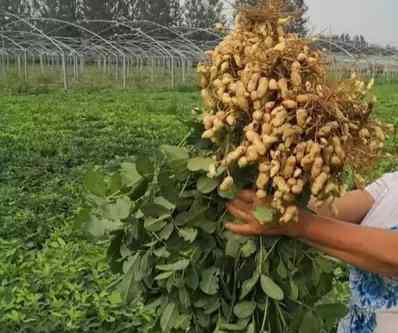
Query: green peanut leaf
<point>206,225</point>
<point>249,284</point>
<point>119,210</point>
<point>188,234</point>
<point>248,248</point>
<point>161,201</point>
<point>281,270</point>
<point>207,185</point>
<point>115,184</point>
<point>145,167</point>
<point>183,322</point>
<point>177,266</point>
<point>271,289</point>
<point>166,231</point>
<point>162,252</point>
<point>174,153</point>
<point>168,318</point>
<point>264,214</point>
<point>164,275</point>
<point>310,323</point>
<point>232,248</point>
<point>94,182</point>
<point>200,164</point>
<point>209,281</point>
<point>294,291</point>
<point>115,298</point>
<point>331,313</point>
<point>154,210</point>
<point>213,307</point>
<point>155,225</point>
<point>98,228</point>
<point>244,309</point>
<point>184,297</point>
<point>239,326</point>
<point>251,328</point>
<point>129,174</point>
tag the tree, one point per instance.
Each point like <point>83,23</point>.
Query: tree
<point>356,41</point>
<point>363,42</point>
<point>203,14</point>
<point>66,10</point>
<point>18,7</point>
<point>98,10</point>
<point>164,12</point>
<point>299,25</point>
<point>123,8</point>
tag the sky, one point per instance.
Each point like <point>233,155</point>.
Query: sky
<point>377,20</point>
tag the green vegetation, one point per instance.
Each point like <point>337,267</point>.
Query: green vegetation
<point>13,82</point>
<point>52,278</point>
<point>170,245</point>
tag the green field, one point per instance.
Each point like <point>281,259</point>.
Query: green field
<point>51,278</point>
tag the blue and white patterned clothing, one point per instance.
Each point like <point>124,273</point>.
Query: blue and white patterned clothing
<point>374,303</point>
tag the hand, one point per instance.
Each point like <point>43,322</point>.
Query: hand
<point>242,209</point>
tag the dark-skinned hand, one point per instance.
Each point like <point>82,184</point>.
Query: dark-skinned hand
<point>242,209</point>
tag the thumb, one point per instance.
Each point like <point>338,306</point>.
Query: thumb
<point>241,229</point>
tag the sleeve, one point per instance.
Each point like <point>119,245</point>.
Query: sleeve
<point>378,189</point>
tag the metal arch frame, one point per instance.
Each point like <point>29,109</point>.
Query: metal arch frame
<point>49,39</point>
<point>142,44</point>
<point>24,50</point>
<point>142,33</point>
<point>82,28</point>
<point>172,31</point>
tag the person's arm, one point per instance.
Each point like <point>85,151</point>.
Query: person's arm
<point>371,249</point>
<point>358,261</point>
<point>374,250</point>
<point>352,207</point>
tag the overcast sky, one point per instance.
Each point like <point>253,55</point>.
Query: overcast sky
<point>377,20</point>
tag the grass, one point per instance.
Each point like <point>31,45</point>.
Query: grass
<point>47,141</point>
<point>49,273</point>
<point>52,279</point>
<point>12,81</point>
<point>387,110</point>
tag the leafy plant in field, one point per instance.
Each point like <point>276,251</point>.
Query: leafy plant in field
<point>165,218</point>
<point>62,288</point>
<point>45,143</point>
<point>52,280</point>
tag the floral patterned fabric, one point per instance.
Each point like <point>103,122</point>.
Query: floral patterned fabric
<point>371,293</point>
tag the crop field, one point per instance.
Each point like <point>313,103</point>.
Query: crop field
<point>52,278</point>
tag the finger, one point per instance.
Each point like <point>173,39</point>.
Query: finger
<point>242,204</point>
<point>242,229</point>
<point>241,214</point>
<point>248,196</point>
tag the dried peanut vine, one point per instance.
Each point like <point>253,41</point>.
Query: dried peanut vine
<point>269,100</point>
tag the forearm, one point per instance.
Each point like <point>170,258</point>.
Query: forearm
<point>358,261</point>
<point>354,244</point>
<point>345,209</point>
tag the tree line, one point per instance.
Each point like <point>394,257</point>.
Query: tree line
<point>170,13</point>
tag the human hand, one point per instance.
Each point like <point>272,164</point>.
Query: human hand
<point>242,208</point>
